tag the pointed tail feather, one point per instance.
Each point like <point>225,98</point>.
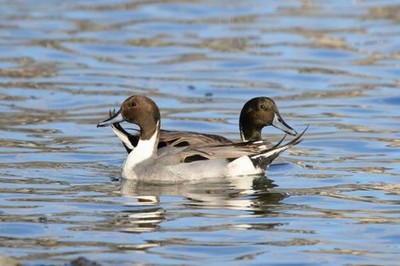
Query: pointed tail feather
<point>264,159</point>
<point>130,141</point>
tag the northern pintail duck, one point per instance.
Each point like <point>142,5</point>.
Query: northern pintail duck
<point>188,162</point>
<point>256,114</point>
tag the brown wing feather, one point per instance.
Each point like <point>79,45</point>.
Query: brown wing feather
<point>186,138</point>
<point>228,151</point>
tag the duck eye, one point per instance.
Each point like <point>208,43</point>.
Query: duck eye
<point>133,104</point>
<point>262,106</point>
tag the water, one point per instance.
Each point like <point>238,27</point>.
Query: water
<point>332,65</point>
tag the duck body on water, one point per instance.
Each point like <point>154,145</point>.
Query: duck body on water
<point>169,163</point>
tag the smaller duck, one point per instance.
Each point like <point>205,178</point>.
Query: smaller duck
<point>256,114</point>
<point>186,163</point>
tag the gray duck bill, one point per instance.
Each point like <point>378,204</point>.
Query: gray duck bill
<point>278,122</point>
<point>117,118</point>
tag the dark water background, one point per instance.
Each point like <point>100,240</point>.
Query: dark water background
<point>334,65</point>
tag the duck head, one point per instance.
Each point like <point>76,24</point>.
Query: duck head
<point>139,110</point>
<point>258,113</point>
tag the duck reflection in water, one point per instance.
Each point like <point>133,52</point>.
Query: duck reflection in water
<point>254,194</point>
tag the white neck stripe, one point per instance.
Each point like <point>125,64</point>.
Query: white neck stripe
<point>242,135</point>
<point>144,150</point>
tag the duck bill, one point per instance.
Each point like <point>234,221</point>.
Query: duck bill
<point>278,122</point>
<point>116,118</point>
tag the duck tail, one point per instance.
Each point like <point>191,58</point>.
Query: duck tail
<point>267,156</point>
<point>130,141</point>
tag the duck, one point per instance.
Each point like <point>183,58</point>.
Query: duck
<point>187,163</point>
<point>256,114</point>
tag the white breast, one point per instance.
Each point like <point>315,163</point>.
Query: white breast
<point>145,150</point>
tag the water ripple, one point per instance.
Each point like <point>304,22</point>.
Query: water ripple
<point>329,65</point>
